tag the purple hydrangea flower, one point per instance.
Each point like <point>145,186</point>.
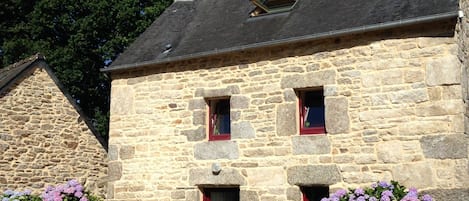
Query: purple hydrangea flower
<point>359,191</point>
<point>386,193</point>
<point>340,193</point>
<point>427,197</point>
<point>78,194</point>
<point>9,192</point>
<point>361,198</point>
<point>383,184</point>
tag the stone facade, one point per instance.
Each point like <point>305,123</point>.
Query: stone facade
<point>43,139</point>
<point>395,110</point>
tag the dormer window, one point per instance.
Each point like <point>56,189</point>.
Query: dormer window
<point>271,6</point>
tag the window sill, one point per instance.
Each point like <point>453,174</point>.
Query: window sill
<point>313,130</point>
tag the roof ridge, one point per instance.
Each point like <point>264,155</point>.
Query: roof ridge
<point>26,60</point>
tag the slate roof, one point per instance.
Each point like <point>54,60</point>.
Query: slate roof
<point>10,73</point>
<point>15,72</point>
<point>207,27</point>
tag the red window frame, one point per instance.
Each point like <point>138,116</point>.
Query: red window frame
<point>302,112</point>
<point>314,193</point>
<point>213,118</point>
<point>233,191</point>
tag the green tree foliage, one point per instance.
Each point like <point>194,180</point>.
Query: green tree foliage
<point>78,37</point>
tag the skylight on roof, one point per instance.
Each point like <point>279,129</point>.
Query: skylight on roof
<point>271,6</point>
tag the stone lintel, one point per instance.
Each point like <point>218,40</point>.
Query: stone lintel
<point>216,150</point>
<point>313,79</point>
<point>313,175</point>
<point>205,177</point>
<point>444,146</point>
<point>311,144</point>
<point>218,92</point>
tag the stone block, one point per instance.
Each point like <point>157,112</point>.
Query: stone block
<point>197,104</point>
<point>204,176</point>
<point>286,119</point>
<point>289,95</point>
<point>330,90</point>
<point>311,144</point>
<point>245,195</point>
<point>216,150</point>
<point>443,71</point>
<point>294,194</point>
<point>126,152</point>
<point>123,100</point>
<point>389,151</point>
<point>371,80</point>
<point>195,134</point>
<point>239,102</point>
<point>458,194</point>
<point>418,175</point>
<point>199,117</point>
<point>441,108</point>
<point>409,96</point>
<point>114,170</point>
<point>444,146</point>
<point>242,130</point>
<point>337,117</point>
<point>313,175</point>
<point>113,153</point>
<point>270,176</point>
<point>391,77</point>
<point>192,195</point>
<point>178,194</point>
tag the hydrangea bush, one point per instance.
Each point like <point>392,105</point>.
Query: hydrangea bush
<point>10,195</point>
<point>70,191</point>
<point>379,191</point>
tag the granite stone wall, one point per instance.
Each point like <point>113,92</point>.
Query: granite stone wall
<point>394,110</point>
<point>43,140</point>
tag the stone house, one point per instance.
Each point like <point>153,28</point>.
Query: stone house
<point>44,137</point>
<point>290,100</point>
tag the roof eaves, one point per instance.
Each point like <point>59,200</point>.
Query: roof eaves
<point>331,34</point>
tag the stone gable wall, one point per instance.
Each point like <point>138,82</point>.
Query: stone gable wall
<point>394,110</point>
<point>43,140</point>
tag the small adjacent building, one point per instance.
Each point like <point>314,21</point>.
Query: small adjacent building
<point>290,100</point>
<point>44,137</point>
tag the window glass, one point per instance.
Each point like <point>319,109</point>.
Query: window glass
<point>220,124</point>
<point>313,108</point>
<point>221,194</point>
<point>312,111</point>
<point>314,193</point>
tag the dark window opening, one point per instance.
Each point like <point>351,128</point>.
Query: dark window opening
<point>312,112</point>
<point>314,193</point>
<point>271,6</point>
<point>219,122</point>
<point>221,194</point>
